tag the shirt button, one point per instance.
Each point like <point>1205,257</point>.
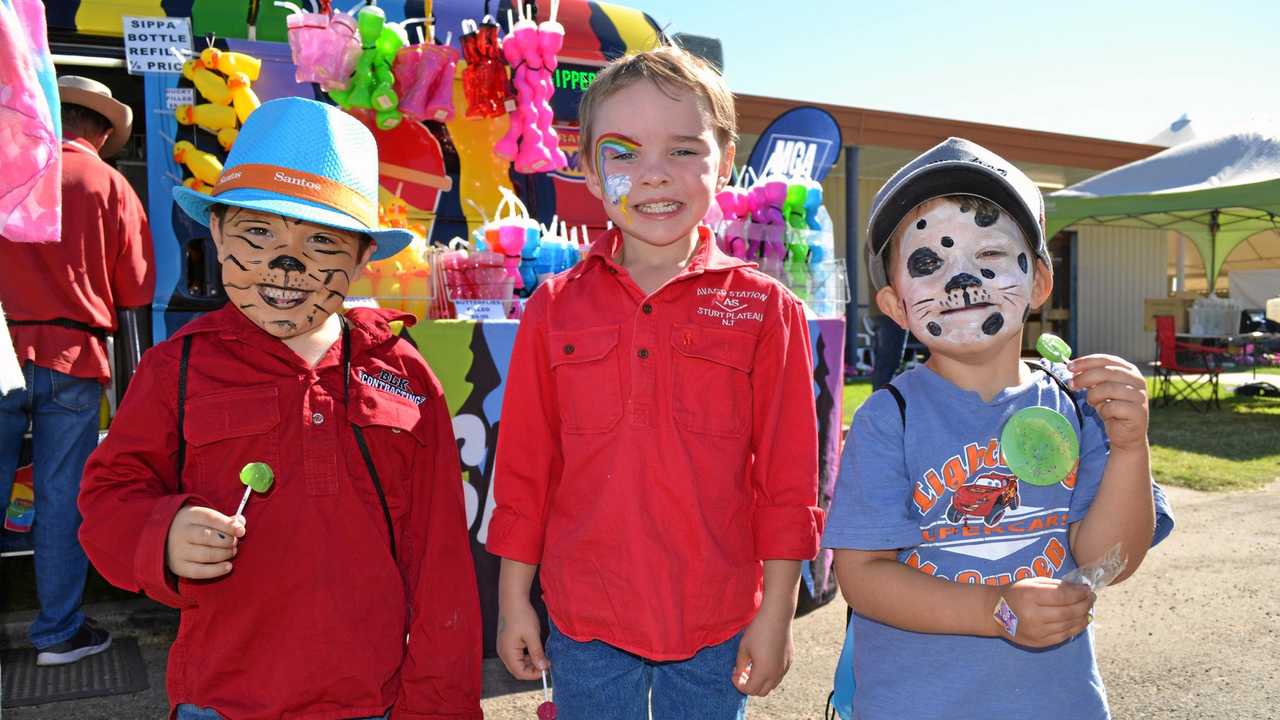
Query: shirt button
<point>316,418</point>
<point>647,308</point>
<point>568,349</point>
<point>643,353</point>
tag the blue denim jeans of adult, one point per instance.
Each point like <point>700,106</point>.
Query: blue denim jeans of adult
<point>596,681</point>
<point>192,712</point>
<point>889,342</point>
<point>63,414</point>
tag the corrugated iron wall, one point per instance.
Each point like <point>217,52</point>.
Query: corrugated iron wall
<point>1116,270</point>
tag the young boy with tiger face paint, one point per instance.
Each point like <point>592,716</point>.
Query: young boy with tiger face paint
<point>941,548</point>
<point>346,588</point>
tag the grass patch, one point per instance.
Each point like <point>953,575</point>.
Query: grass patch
<point>1235,448</point>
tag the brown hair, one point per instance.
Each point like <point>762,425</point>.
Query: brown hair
<point>670,68</point>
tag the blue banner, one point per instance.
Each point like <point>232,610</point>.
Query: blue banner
<point>801,142</point>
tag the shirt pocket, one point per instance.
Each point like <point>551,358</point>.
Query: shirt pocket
<point>394,435</point>
<point>711,380</point>
<point>588,379</point>
<point>227,431</point>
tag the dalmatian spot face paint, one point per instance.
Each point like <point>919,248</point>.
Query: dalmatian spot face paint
<point>617,186</point>
<point>960,277</point>
<point>285,275</point>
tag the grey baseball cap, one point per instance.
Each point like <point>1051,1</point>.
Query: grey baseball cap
<point>954,167</point>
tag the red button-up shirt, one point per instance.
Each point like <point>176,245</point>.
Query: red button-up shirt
<point>655,449</point>
<point>312,620</point>
<point>104,262</point>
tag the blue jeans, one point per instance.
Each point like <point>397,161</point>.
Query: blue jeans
<point>63,413</point>
<point>187,711</point>
<point>600,682</point>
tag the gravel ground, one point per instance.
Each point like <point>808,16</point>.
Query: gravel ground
<point>1194,635</point>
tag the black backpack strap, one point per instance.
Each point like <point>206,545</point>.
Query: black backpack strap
<point>182,407</point>
<point>1062,386</point>
<point>364,447</point>
<point>898,398</point>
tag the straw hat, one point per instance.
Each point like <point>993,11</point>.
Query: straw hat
<point>305,160</point>
<point>76,90</point>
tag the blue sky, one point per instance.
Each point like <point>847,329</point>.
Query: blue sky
<point>1120,69</point>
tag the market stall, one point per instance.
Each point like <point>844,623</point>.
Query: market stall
<point>497,207</point>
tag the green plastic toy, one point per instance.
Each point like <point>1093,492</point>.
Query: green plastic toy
<point>372,82</point>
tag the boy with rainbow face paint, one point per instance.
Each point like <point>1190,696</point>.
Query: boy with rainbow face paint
<point>657,458</point>
<point>941,550</point>
<point>346,589</point>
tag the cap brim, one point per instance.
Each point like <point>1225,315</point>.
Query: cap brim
<point>196,204</point>
<point>948,178</point>
<point>117,113</point>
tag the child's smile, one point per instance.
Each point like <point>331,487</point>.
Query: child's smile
<point>657,163</point>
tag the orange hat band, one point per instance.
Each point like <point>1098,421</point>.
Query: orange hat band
<point>300,185</point>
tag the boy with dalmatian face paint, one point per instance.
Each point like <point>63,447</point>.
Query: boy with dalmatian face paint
<point>365,519</point>
<point>941,550</point>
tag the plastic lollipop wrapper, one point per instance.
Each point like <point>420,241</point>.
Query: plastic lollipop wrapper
<point>547,710</point>
<point>1100,573</point>
<point>257,477</point>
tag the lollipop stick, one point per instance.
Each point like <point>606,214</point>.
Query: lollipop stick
<point>546,695</point>
<point>244,500</point>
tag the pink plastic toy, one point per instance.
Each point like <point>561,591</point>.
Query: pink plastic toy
<point>324,48</point>
<point>736,208</point>
<point>531,49</point>
<point>424,80</point>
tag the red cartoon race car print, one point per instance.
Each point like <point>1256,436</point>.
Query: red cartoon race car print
<point>986,496</point>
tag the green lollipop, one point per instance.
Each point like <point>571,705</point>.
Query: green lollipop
<point>1039,445</point>
<point>256,476</point>
<point>1053,348</point>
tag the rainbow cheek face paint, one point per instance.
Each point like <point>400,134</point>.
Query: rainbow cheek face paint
<point>617,186</point>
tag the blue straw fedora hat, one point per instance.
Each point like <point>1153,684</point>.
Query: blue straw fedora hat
<point>303,160</point>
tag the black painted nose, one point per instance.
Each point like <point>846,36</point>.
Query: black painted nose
<point>961,281</point>
<point>288,263</point>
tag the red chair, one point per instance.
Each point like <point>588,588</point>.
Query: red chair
<point>1198,366</point>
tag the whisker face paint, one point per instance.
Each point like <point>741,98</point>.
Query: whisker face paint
<point>960,274</point>
<point>617,186</point>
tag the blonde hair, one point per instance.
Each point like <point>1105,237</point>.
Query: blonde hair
<point>670,68</point>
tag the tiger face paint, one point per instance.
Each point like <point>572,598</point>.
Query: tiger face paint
<point>617,186</point>
<point>285,275</point>
<point>963,274</point>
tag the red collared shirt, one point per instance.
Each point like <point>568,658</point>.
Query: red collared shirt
<point>311,622</point>
<point>654,450</point>
<point>104,262</point>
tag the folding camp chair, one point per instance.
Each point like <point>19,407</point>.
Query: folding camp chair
<point>1197,366</point>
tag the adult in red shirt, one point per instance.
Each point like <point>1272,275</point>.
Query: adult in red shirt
<point>61,299</point>
<point>346,589</point>
<point>658,453</point>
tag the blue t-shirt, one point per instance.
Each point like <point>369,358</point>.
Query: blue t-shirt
<point>939,492</point>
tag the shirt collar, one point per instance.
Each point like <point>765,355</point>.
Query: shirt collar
<point>706,257</point>
<point>79,144</point>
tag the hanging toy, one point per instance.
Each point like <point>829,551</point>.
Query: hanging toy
<point>372,83</point>
<point>526,49</point>
<point>207,115</point>
<point>203,165</point>
<point>210,86</point>
<point>424,80</point>
<point>485,78</point>
<point>227,138</point>
<point>229,63</point>
<point>324,48</point>
<point>242,96</point>
<point>550,41</point>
